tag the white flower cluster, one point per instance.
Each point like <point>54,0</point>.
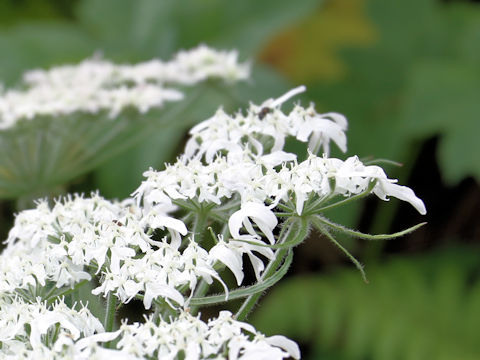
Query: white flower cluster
<point>219,338</point>
<point>225,158</point>
<point>247,170</point>
<point>78,236</point>
<point>37,331</point>
<point>108,236</point>
<point>139,249</point>
<point>97,85</point>
<point>239,133</point>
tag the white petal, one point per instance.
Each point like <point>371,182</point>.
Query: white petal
<point>277,158</point>
<point>338,118</point>
<point>288,95</point>
<point>403,193</point>
<point>259,213</point>
<point>231,259</point>
<point>102,337</point>
<point>170,223</point>
<point>152,291</point>
<point>219,145</point>
<point>288,345</point>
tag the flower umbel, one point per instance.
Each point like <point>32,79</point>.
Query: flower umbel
<point>235,193</point>
<point>97,85</point>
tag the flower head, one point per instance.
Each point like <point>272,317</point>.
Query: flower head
<point>96,85</point>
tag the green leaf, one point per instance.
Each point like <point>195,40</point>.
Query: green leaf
<point>442,99</point>
<point>423,65</point>
<point>162,27</point>
<point>12,12</point>
<point>40,44</point>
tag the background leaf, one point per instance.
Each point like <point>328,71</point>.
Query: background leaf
<point>404,65</point>
<point>442,99</point>
<point>420,307</point>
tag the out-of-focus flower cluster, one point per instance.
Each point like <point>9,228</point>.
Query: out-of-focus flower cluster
<point>97,85</point>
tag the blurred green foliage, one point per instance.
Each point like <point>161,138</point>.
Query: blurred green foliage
<point>139,30</point>
<point>125,30</point>
<point>402,71</point>
<point>422,307</point>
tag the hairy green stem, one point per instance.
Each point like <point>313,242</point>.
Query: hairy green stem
<point>199,224</point>
<point>200,291</point>
<point>248,290</point>
<point>109,322</point>
<point>361,235</point>
<point>290,236</point>
<point>323,230</point>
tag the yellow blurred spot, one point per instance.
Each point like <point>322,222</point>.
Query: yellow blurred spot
<point>5,173</point>
<point>310,50</point>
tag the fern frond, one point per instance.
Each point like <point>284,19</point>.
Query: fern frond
<point>426,307</point>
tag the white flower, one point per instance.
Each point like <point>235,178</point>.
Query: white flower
<point>282,342</point>
<point>231,258</point>
<point>318,130</point>
<point>240,133</point>
<point>200,340</point>
<point>350,177</point>
<point>60,243</point>
<point>97,85</point>
<point>260,214</point>
<point>231,253</point>
<point>33,324</point>
<point>386,188</point>
<point>259,177</point>
<point>154,290</point>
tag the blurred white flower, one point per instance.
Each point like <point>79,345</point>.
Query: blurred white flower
<point>96,85</point>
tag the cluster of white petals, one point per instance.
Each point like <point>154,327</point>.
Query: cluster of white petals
<point>37,331</point>
<point>64,244</point>
<point>350,177</point>
<point>97,85</point>
<point>241,132</point>
<point>188,337</point>
<point>225,158</point>
<point>205,173</point>
<point>139,249</point>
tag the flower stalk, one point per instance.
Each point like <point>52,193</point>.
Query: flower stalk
<point>296,232</point>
